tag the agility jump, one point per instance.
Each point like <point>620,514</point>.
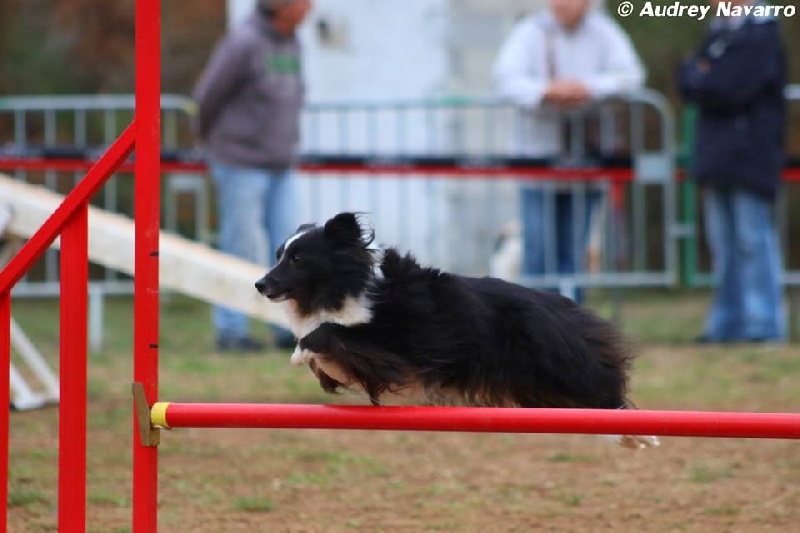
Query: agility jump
<point>70,222</point>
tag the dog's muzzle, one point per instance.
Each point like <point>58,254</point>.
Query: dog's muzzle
<point>271,290</point>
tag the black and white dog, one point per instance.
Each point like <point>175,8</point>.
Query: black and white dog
<point>375,319</point>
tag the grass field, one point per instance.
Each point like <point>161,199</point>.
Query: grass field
<point>320,481</point>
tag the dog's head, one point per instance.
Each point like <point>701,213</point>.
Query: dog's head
<point>318,267</point>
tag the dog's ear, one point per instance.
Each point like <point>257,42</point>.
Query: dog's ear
<point>343,228</point>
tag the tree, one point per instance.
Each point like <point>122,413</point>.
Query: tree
<point>87,46</point>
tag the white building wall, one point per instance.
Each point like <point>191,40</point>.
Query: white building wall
<point>377,51</point>
<point>390,50</point>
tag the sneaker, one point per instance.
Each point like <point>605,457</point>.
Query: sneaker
<point>239,345</point>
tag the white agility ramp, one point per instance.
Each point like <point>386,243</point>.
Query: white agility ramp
<point>24,396</point>
<point>185,266</point>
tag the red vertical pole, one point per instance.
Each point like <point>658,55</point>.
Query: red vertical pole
<point>5,399</point>
<point>147,218</point>
<point>72,350</point>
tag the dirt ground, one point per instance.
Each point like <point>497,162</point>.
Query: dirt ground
<point>341,481</point>
<point>337,481</point>
<point>458,482</point>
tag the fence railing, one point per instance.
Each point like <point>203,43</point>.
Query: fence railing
<point>54,140</point>
<point>440,177</point>
<point>454,166</point>
<point>417,167</point>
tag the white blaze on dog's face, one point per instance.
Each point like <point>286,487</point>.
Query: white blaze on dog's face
<point>322,275</point>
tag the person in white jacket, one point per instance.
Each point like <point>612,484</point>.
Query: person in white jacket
<point>555,61</point>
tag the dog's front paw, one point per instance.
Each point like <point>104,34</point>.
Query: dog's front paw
<point>335,371</point>
<point>327,383</point>
<point>301,356</point>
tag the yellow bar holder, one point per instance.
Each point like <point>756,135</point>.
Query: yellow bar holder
<point>158,415</point>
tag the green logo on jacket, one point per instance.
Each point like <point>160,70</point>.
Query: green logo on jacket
<point>283,64</point>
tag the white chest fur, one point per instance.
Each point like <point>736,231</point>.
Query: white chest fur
<point>354,311</point>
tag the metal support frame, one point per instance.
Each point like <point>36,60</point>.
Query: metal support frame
<point>147,218</point>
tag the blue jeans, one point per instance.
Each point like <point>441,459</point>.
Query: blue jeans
<point>555,228</point>
<point>747,268</point>
<point>256,214</point>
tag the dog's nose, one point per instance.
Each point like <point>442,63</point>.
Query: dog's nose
<point>261,285</point>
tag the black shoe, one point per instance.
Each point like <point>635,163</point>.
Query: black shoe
<point>285,343</point>
<point>239,345</point>
<point>283,339</point>
<point>763,340</point>
<point>705,339</point>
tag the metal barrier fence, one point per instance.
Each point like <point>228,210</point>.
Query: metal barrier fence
<point>454,223</point>
<point>54,132</point>
<point>439,178</point>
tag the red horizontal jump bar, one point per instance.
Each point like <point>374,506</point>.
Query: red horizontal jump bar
<point>478,419</point>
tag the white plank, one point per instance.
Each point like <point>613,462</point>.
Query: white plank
<point>185,266</point>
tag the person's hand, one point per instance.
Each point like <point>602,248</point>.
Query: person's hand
<point>567,93</point>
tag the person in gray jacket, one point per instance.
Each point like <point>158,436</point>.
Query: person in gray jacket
<point>249,99</point>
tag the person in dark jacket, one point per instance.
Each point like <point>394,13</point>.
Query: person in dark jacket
<point>249,100</point>
<point>736,80</point>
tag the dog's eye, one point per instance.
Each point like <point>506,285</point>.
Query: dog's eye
<point>294,258</point>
